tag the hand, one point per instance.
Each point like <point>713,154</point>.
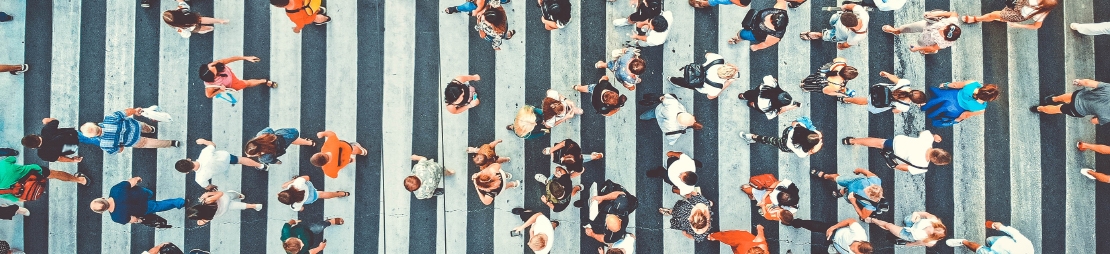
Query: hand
<point>296,29</point>
<point>131,111</point>
<point>476,77</point>
<point>77,158</point>
<point>1094,120</point>
<point>936,138</point>
<point>201,141</point>
<point>47,120</point>
<point>475,103</point>
<point>711,97</point>
<point>829,233</point>
<point>253,59</point>
<point>996,225</point>
<point>754,48</point>
<point>852,197</point>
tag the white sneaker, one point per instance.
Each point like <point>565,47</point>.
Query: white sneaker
<point>258,207</point>
<point>541,178</point>
<point>747,137</point>
<point>1087,174</point>
<point>621,22</point>
<point>23,211</point>
<point>954,242</point>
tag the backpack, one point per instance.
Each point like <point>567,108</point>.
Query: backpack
<point>694,73</point>
<point>814,82</point>
<point>943,108</point>
<point>28,188</point>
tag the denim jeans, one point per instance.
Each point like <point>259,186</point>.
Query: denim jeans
<point>469,6</point>
<point>164,205</point>
<point>648,115</point>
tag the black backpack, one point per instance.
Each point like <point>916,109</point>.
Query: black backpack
<point>881,96</point>
<point>694,73</point>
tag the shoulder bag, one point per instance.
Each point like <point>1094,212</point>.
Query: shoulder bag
<point>28,188</point>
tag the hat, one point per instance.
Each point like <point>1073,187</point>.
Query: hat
<point>785,99</point>
<point>686,119</point>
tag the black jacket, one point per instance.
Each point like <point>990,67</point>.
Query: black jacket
<point>54,139</point>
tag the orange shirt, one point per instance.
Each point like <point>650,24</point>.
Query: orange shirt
<point>340,154</point>
<point>303,16</point>
<point>740,240</point>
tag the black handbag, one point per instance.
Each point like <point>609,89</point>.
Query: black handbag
<point>1009,3</point>
<point>892,160</point>
<point>154,221</point>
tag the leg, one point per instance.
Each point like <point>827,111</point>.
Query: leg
<point>1092,28</point>
<point>1101,149</point>
<point>317,228</point>
<point>249,162</point>
<point>10,68</point>
<point>146,142</point>
<point>164,205</point>
<point>1051,109</point>
<point>915,27</point>
<point>255,82</point>
<point>321,18</point>
<point>1100,176</point>
<point>811,225</point>
<point>769,140</point>
<point>331,194</point>
<point>648,115</point>
<point>236,206</point>
<point>502,159</point>
<point>209,21</point>
<point>876,143</point>
<point>1065,98</point>
<point>146,128</point>
<point>856,100</point>
<point>971,245</point>
<point>990,17</point>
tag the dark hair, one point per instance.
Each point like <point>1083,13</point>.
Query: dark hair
<point>795,4</point>
<point>952,32</point>
<point>279,3</point>
<point>917,96</point>
<point>454,90</point>
<point>689,177</point>
<point>319,159</point>
<point>207,76</point>
<point>659,23</point>
<point>865,248</point>
<point>849,19</point>
<point>636,65</point>
<point>558,11</point>
<point>180,18</point>
<point>493,16</point>
<point>201,212</point>
<point>557,189</point>
<point>183,166</point>
<point>32,141</point>
<point>940,156</point>
<point>290,196</point>
<point>848,73</point>
<point>262,144</point>
<point>548,110</point>
<point>788,196</point>
<point>988,92</point>
<point>779,20</point>
<point>412,183</point>
<point>613,99</point>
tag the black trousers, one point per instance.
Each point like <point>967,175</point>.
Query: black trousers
<point>868,3</point>
<point>812,225</point>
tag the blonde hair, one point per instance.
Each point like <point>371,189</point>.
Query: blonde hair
<point>90,129</point>
<point>292,245</point>
<point>726,72</point>
<point>103,205</point>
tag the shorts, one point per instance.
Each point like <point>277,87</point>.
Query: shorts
<point>234,160</point>
<point>310,194</point>
<point>643,13</point>
<point>888,145</point>
<point>288,134</point>
<point>747,35</point>
<point>1069,109</point>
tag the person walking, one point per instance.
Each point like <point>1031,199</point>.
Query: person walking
<point>425,178</point>
<point>554,14</point>
<point>460,95</point>
<point>187,22</point>
<point>626,66</point>
<point>486,155</point>
<point>849,27</point>
<point>211,163</point>
<point>335,154</point>
<point>491,181</point>
<point>938,31</point>
<point>910,154</point>
<point>493,26</point>
<point>680,172</point>
<point>127,202</point>
<point>671,115</point>
<point>219,78</point>
<point>769,98</point>
<point>651,32</point>
<point>57,144</point>
<point>801,138</point>
<point>691,215</point>
<point>645,11</point>
<point>613,207</point>
<point>956,101</point>
<point>764,28</point>
<point>846,237</point>
<point>296,236</point>
<point>15,69</point>
<point>269,144</point>
<point>299,192</point>
<point>776,200</point>
<point>474,7</point>
<point>214,203</point>
<point>557,109</point>
<point>120,130</point>
<point>541,230</point>
<point>896,97</point>
<point>1012,242</point>
<point>303,12</point>
<point>1090,100</point>
<point>1091,28</point>
<point>603,96</point>
<point>556,194</point>
<point>1017,12</point>
<point>832,79</point>
<point>862,186</point>
<point>569,154</point>
<point>12,173</point>
<point>742,241</point>
<point>710,78</point>
<point>919,229</point>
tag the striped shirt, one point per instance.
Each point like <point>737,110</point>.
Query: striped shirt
<point>119,130</point>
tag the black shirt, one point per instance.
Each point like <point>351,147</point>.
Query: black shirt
<point>569,148</point>
<point>54,140</point>
<point>600,105</point>
<point>756,24</point>
<point>562,203</point>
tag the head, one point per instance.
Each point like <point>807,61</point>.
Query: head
<point>319,159</point>
<point>785,217</point>
<point>756,250</point>
<point>186,165</point>
<point>99,205</point>
<point>637,65</point>
<point>988,92</point>
<point>813,138</point>
<point>493,16</point>
<point>951,32</point>
<point>32,141</point>
<point>848,73</point>
<point>292,245</point>
<point>613,99</point>
<point>659,24</point>
<point>699,219</point>
<point>613,223</point>
<point>480,159</point>
<point>795,3</point>
<point>290,196</point>
<point>864,247</point>
<point>208,72</point>
<point>939,156</point>
<point>201,212</point>
<point>686,119</point>
<point>557,189</point>
<point>412,183</point>
<point>455,92</point>
<point>552,107</point>
<point>775,20</point>
<point>727,72</point>
<point>179,18</point>
<point>939,231</point>
<point>261,145</point>
<point>614,251</point>
<point>90,129</point>
<point>537,242</point>
<point>849,19</point>
<point>689,178</point>
<point>874,192</point>
<point>557,10</point>
<point>787,199</point>
<point>484,181</point>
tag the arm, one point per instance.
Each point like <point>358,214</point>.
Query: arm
<point>205,142</point>
<point>957,84</point>
<point>759,236</point>
<point>69,159</point>
<point>848,7</point>
<point>864,172</point>
<point>234,59</point>
<point>156,248</point>
<point>528,223</point>
<point>135,181</point>
<point>843,45</point>
<point>780,4</point>
<point>610,196</point>
<point>212,91</point>
<point>286,184</point>
<point>940,14</point>
<point>468,78</point>
<point>968,114</point>
<point>863,213</point>
<point>768,42</point>
<point>134,220</point>
<point>480,8</point>
<point>318,248</point>
<point>453,109</point>
<point>931,49</point>
<point>326,133</point>
<point>903,167</point>
<point>843,223</point>
<point>599,237</point>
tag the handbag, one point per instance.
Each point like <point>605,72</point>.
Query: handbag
<point>28,188</point>
<point>892,160</point>
<point>155,113</point>
<point>154,221</point>
<point>1009,3</point>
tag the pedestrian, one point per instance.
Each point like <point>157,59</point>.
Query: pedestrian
<point>882,5</point>
<point>489,182</point>
<point>335,154</point>
<point>1091,28</point>
<point>211,163</point>
<point>604,97</point>
<point>626,66</point>
<point>165,248</point>
<point>764,28</point>
<point>862,186</point>
<point>910,154</point>
<point>303,12</point>
<point>692,215</point>
<point>557,109</point>
<point>741,3</point>
<point>671,115</point>
<point>849,27</point>
<point>6,248</point>
<point>896,97</point>
<point>626,245</point>
<point>214,203</point>
<point>1011,242</point>
<point>554,14</point>
<point>15,69</point>
<point>938,31</point>
<point>460,95</point>
<point>846,237</point>
<point>425,178</point>
<point>486,155</point>
<point>299,192</point>
<point>801,138</point>
<point>776,200</point>
<point>743,241</point>
<point>474,7</point>
<point>127,202</point>
<point>919,229</point>
<point>120,130</point>
<point>651,32</point>
<point>187,22</point>
<point>57,144</point>
<point>613,207</point>
<point>219,78</point>
<point>569,154</point>
<point>542,232</point>
<point>956,101</point>
<point>680,172</point>
<point>710,78</point>
<point>493,26</point>
<point>832,80</point>
<point>769,98</point>
<point>645,11</point>
<point>556,194</point>
<point>295,236</point>
<point>8,211</point>
<point>12,173</point>
<point>1017,12</point>
<point>1091,100</point>
<point>269,144</point>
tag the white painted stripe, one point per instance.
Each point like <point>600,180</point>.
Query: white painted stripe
<point>397,135</point>
<point>1025,171</point>
<point>510,97</point>
<point>227,128</point>
<point>454,136</point>
<point>909,190</point>
<point>173,97</point>
<point>968,168</point>
<point>620,129</point>
<point>678,51</point>
<point>285,112</point>
<point>1080,63</point>
<point>12,120</point>
<point>793,56</point>
<point>852,120</point>
<point>119,85</point>
<point>341,116</point>
<point>65,90</point>
<point>733,116</point>
<point>566,48</point>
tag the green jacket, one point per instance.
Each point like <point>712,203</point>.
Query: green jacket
<point>11,173</point>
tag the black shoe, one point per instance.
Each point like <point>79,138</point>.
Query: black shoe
<point>1047,100</point>
<point>580,203</point>
<point>145,4</point>
<point>451,10</point>
<point>10,18</point>
<point>657,172</point>
<point>677,80</point>
<point>518,211</point>
<point>265,167</point>
<point>8,152</point>
<point>175,143</point>
<point>1034,109</point>
<point>438,192</point>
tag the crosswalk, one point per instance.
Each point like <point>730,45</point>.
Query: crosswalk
<point>376,73</point>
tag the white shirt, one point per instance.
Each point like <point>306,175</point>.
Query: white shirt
<point>542,225</point>
<point>299,183</point>
<point>844,237</point>
<point>1026,11</point>
<point>918,229</point>
<point>628,244</point>
<point>566,109</point>
<point>658,38</point>
<point>682,165</point>
<point>212,163</point>
<point>889,5</point>
<point>711,75</point>
<point>666,114</point>
<point>914,150</point>
<point>847,36</point>
<point>1016,243</point>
